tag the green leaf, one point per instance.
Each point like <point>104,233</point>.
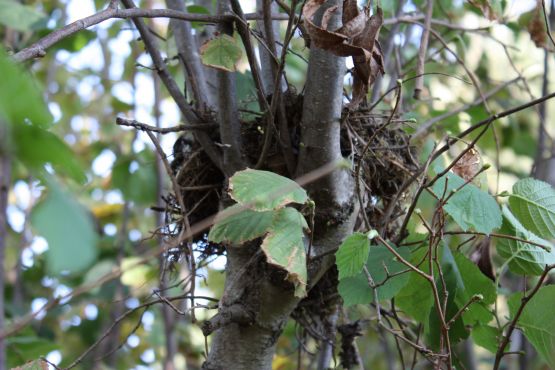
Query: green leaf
<point>455,287</point>
<point>35,147</point>
<point>523,258</point>
<point>537,322</point>
<point>136,274</point>
<point>23,348</point>
<point>533,204</point>
<point>69,230</point>
<point>197,9</point>
<point>21,17</point>
<point>139,186</point>
<point>17,84</point>
<point>222,52</point>
<point>284,246</point>
<point>264,190</point>
<point>486,336</point>
<point>352,255</point>
<point>237,224</point>
<point>416,298</point>
<point>356,289</point>
<point>76,42</point>
<point>470,207</point>
<point>474,283</point>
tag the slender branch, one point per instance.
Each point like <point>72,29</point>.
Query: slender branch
<point>419,83</point>
<point>524,301</point>
<point>38,49</point>
<point>191,117</point>
<point>164,130</point>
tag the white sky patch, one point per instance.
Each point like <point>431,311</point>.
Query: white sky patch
<point>16,218</point>
<point>77,9</point>
<point>64,292</point>
<point>123,91</point>
<point>90,311</point>
<point>102,165</point>
<point>39,245</point>
<point>36,305</point>
<point>55,110</point>
<point>148,356</point>
<point>113,197</point>
<point>88,57</point>
<point>110,229</point>
<point>119,46</point>
<point>27,258</point>
<point>55,357</point>
<point>145,86</point>
<point>133,341</point>
<point>132,303</point>
<point>147,320</point>
<point>22,194</point>
<point>135,235</point>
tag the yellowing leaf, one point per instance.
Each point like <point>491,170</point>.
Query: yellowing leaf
<point>284,247</point>
<point>264,190</point>
<point>106,210</point>
<point>222,52</point>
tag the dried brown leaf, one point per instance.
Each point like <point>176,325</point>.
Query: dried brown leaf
<point>468,165</point>
<point>536,27</point>
<point>485,8</point>
<point>356,38</point>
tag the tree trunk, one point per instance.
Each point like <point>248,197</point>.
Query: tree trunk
<point>257,302</point>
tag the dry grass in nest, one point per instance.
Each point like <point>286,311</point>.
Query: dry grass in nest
<point>386,164</point>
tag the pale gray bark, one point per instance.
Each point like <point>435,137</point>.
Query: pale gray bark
<point>189,54</point>
<point>266,59</point>
<point>257,303</point>
<point>228,115</point>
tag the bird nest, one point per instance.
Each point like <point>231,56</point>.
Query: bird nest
<point>378,144</point>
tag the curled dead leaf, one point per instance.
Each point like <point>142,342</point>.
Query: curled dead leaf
<point>357,38</point>
<point>485,7</point>
<point>468,166</point>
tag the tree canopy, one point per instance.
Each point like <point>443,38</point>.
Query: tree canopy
<point>277,184</point>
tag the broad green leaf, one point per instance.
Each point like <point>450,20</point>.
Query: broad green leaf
<point>222,52</point>
<point>197,9</point>
<point>35,147</point>
<point>101,268</point>
<point>486,336</point>
<point>537,321</point>
<point>69,230</point>
<point>533,204</point>
<point>20,97</point>
<point>523,258</point>
<point>352,255</point>
<point>474,283</point>
<point>25,348</point>
<point>356,289</point>
<point>237,224</point>
<point>136,274</point>
<point>21,17</point>
<point>139,186</point>
<point>76,42</point>
<point>454,284</point>
<point>470,207</point>
<point>264,190</point>
<point>284,246</point>
<point>416,298</point>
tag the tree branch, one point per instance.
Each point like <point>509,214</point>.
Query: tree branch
<point>38,49</point>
